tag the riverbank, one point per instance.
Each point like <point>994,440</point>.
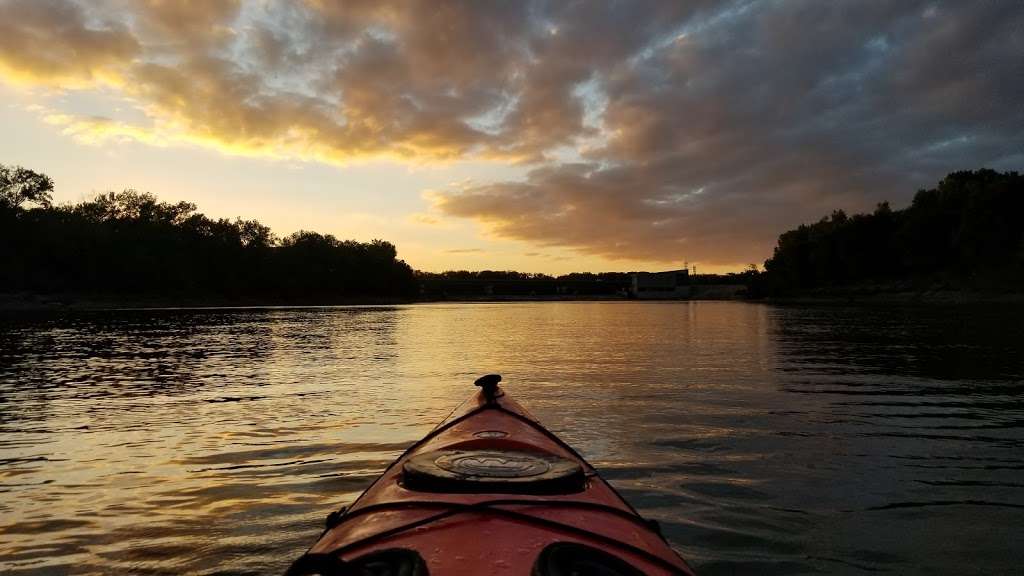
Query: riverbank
<point>898,298</point>
<point>13,303</point>
<point>85,302</point>
<point>24,302</point>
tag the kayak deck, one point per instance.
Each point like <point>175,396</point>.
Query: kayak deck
<point>491,491</point>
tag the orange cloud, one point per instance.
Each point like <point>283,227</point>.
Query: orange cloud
<point>50,42</point>
<point>97,130</point>
<point>334,81</point>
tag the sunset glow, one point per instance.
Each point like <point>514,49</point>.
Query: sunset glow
<point>540,137</point>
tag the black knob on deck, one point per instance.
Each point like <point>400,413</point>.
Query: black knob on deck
<point>489,384</point>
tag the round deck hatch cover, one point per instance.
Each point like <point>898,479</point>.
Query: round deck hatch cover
<point>490,434</point>
<point>493,464</point>
<point>503,471</point>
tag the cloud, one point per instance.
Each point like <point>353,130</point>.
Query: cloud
<point>760,116</point>
<point>465,251</point>
<point>425,219</point>
<point>97,130</point>
<point>338,81</point>
<point>182,24</point>
<point>54,42</point>
<point>654,131</point>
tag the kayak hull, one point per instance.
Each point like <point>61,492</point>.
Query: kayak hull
<point>487,492</point>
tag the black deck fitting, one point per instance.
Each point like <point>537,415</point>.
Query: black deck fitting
<point>489,384</point>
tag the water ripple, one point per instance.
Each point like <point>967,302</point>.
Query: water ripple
<point>765,440</point>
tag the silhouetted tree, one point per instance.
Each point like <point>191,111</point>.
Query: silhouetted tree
<point>19,185</point>
<point>131,242</point>
<point>964,232</point>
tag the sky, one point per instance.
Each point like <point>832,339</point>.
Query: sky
<point>541,136</point>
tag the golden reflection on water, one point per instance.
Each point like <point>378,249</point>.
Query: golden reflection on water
<point>763,438</point>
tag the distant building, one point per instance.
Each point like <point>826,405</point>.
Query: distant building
<point>660,285</point>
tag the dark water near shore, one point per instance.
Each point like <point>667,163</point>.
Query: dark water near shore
<point>766,440</point>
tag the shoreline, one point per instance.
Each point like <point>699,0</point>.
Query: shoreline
<point>13,303</point>
<point>27,303</point>
<point>899,298</point>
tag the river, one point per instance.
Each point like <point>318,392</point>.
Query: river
<point>765,439</point>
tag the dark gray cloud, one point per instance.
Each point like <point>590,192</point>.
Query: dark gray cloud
<point>757,116</point>
<point>652,130</point>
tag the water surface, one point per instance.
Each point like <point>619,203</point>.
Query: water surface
<point>766,440</point>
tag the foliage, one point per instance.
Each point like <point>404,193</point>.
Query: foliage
<point>512,275</point>
<point>19,185</point>
<point>504,275</point>
<point>964,233</point>
<point>131,243</point>
<point>511,283</point>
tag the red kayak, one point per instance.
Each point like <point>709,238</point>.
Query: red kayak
<point>490,491</point>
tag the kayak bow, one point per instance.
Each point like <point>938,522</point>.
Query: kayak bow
<point>490,491</point>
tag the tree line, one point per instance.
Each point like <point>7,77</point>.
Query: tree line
<point>512,275</point>
<point>965,233</point>
<point>131,243</point>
